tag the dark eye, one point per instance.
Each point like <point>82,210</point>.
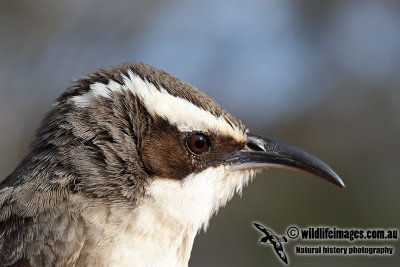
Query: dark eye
<point>198,143</point>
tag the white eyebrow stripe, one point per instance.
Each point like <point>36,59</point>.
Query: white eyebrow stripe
<point>186,116</point>
<point>82,101</point>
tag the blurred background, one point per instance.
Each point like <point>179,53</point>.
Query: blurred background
<point>321,75</point>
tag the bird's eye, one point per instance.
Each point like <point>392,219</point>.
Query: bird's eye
<point>198,143</point>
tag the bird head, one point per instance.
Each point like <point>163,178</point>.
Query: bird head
<point>134,135</point>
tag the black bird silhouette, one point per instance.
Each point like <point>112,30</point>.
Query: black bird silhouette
<point>274,240</point>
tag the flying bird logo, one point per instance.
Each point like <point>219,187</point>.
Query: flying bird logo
<point>274,240</point>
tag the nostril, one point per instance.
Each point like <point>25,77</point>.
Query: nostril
<point>254,146</point>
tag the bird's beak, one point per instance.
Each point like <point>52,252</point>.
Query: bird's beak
<point>263,152</point>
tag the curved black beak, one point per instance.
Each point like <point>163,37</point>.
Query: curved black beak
<point>263,152</point>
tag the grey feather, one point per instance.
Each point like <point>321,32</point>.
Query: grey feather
<point>76,152</point>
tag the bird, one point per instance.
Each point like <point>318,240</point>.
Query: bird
<point>126,168</point>
<point>274,240</point>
